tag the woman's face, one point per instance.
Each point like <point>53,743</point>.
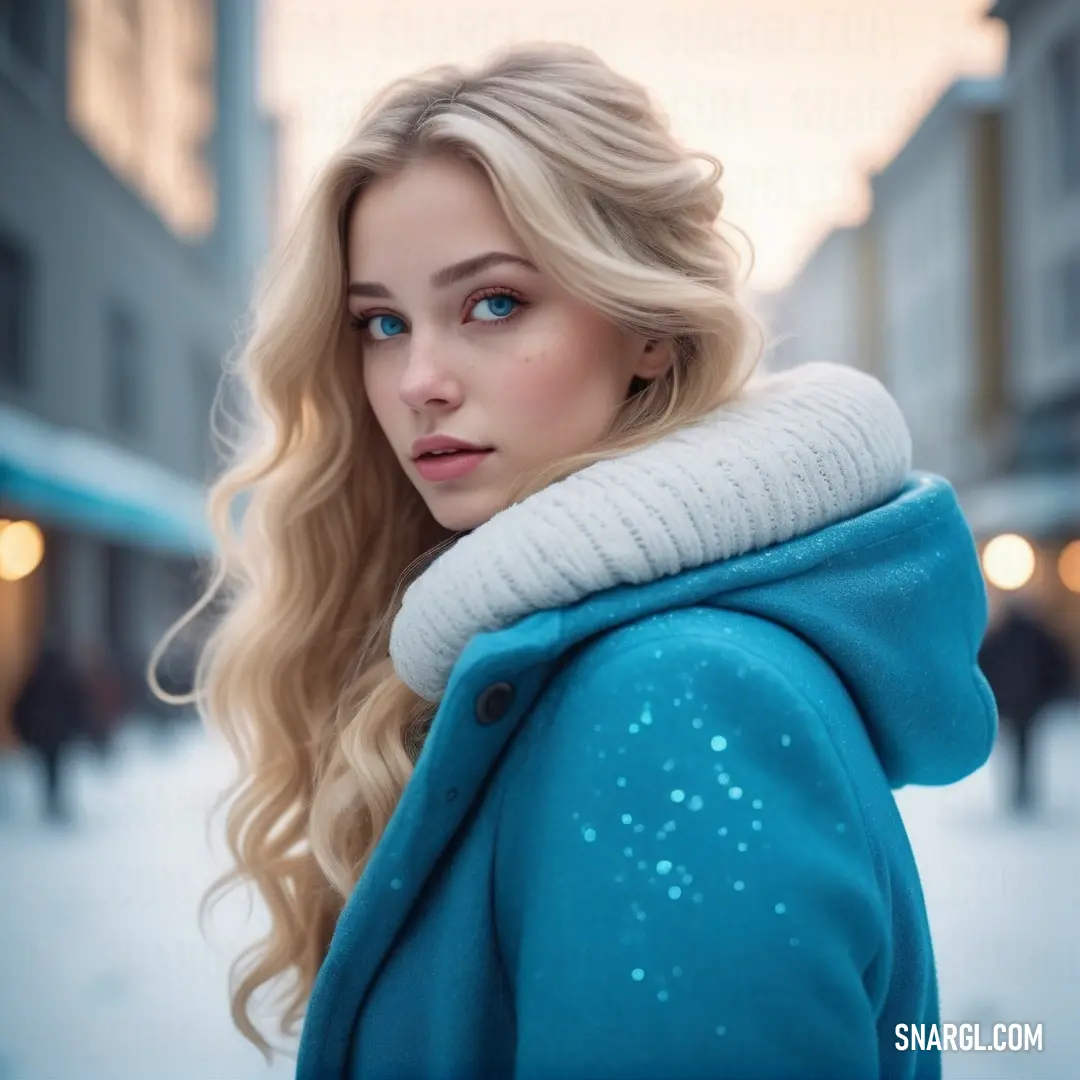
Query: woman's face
<point>463,337</point>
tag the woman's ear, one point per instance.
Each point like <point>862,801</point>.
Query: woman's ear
<point>655,357</point>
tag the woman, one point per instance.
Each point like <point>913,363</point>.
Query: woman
<point>606,791</point>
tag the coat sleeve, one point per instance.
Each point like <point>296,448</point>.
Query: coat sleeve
<point>683,884</point>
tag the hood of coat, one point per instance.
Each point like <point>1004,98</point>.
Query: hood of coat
<point>794,503</point>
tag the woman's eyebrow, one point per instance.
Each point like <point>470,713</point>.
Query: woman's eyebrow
<point>449,275</point>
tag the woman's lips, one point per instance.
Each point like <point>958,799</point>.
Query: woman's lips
<point>439,467</point>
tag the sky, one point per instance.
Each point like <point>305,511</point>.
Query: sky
<point>800,99</point>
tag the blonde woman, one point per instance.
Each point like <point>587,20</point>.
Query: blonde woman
<point>569,664</point>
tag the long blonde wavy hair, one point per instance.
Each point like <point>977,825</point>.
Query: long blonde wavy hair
<point>318,528</point>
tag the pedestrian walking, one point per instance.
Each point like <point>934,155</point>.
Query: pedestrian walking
<point>1029,668</point>
<point>49,714</point>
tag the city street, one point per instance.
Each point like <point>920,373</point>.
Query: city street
<point>889,190</point>
<point>105,975</point>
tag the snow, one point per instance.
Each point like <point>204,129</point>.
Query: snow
<point>106,976</point>
<point>1004,902</point>
<point>105,972</point>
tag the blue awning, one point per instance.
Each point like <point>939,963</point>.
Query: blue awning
<point>66,478</point>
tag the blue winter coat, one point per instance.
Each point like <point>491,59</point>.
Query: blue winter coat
<point>652,834</point>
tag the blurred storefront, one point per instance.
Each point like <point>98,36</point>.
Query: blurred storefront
<point>93,545</point>
<point>135,205</point>
<point>22,548</point>
<point>1030,516</point>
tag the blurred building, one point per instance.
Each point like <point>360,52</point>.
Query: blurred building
<point>828,312</point>
<point>937,224</point>
<point>961,291</point>
<point>1038,494</point>
<point>135,203</point>
<point>913,293</point>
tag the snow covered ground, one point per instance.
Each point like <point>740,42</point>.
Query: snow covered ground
<point>104,974</point>
<point>1004,904</point>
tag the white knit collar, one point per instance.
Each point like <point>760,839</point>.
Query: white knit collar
<point>794,452</point>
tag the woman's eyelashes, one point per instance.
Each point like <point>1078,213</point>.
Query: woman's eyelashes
<point>501,304</point>
<point>377,327</point>
<point>490,306</point>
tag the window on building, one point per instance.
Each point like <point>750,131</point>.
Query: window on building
<point>1065,110</point>
<point>55,579</point>
<point>14,312</point>
<point>1069,300</point>
<point>22,27</point>
<point>141,92</point>
<point>207,418</point>
<point>120,588</point>
<point>124,371</point>
<point>1061,300</point>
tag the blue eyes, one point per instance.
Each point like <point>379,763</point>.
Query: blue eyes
<point>381,327</point>
<point>498,307</point>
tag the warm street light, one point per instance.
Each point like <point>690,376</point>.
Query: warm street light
<point>22,548</point>
<point>1008,562</point>
<point>1069,566</point>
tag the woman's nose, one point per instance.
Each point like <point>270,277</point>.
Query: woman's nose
<point>429,375</point>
